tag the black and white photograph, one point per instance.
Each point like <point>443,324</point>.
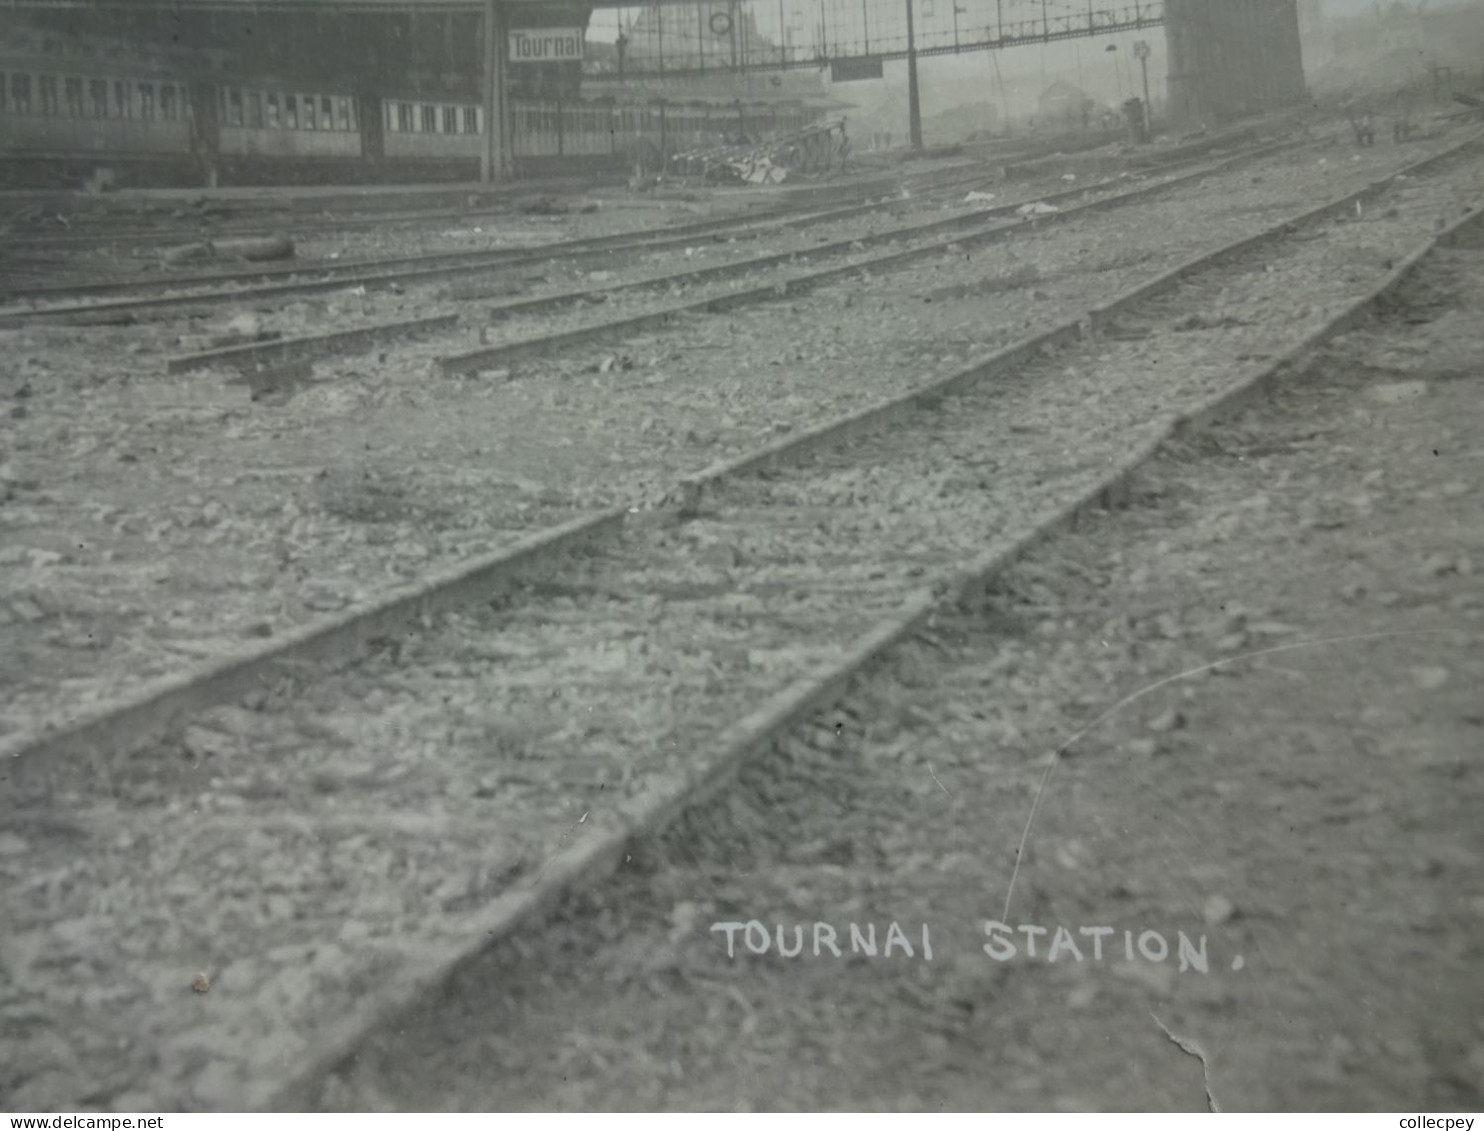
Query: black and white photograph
<point>742,556</point>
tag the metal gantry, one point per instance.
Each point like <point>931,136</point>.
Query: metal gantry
<point>962,37</point>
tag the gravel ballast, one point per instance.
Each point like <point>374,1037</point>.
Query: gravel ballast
<point>255,517</point>
<point>1260,679</point>
<point>529,716</point>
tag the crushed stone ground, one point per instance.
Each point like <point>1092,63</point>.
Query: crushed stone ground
<point>336,849</point>
<point>1262,677</point>
<point>161,522</point>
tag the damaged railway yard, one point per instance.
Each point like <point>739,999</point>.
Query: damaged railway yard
<point>988,631</point>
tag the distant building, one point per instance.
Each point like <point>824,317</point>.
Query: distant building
<point>973,121</point>
<point>1062,104</point>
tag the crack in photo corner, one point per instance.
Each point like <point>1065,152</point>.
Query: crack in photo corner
<point>1195,1050</point>
<point>941,786</point>
<point>552,859</point>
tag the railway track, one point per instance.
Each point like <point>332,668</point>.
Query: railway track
<point>765,218</point>
<point>89,233</point>
<point>88,230</point>
<point>215,221</point>
<point>765,214</point>
<point>229,475</point>
<point>1138,723</point>
<point>759,575</point>
<point>855,245</point>
<point>180,222</point>
<point>442,266</point>
<point>854,510</point>
<point>925,240</point>
<point>968,231</point>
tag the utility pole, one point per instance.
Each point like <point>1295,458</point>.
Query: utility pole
<point>1045,39</point>
<point>494,156</point>
<point>999,81</point>
<point>914,109</point>
<point>957,11</point>
<point>1141,53</point>
<point>865,29</point>
<point>1117,68</point>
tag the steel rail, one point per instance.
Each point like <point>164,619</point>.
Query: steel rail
<point>608,838</point>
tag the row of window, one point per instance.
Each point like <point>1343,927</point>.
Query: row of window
<point>61,96</point>
<point>437,118</point>
<point>261,109</point>
<point>430,118</point>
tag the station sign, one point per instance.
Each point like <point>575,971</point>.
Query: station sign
<point>547,45</point>
<point>855,70</point>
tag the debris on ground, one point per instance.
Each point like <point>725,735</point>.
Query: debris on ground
<point>255,249</point>
<point>811,151</point>
<point>99,182</point>
<point>545,206</point>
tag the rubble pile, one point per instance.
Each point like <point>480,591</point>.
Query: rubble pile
<point>810,151</point>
